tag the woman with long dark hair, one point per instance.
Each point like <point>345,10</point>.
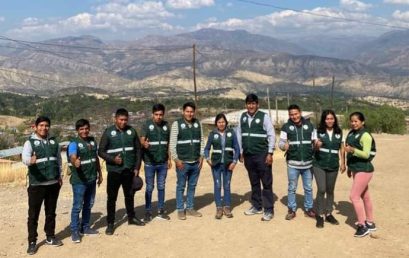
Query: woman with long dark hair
<point>360,148</point>
<point>329,152</point>
<point>224,157</point>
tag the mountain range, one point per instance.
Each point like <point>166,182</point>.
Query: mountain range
<point>227,62</point>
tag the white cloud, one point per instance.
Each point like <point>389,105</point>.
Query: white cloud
<point>290,23</point>
<point>2,19</point>
<point>396,1</point>
<point>189,4</point>
<point>119,16</point>
<point>401,16</point>
<point>355,5</point>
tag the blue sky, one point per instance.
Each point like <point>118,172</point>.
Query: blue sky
<point>133,19</point>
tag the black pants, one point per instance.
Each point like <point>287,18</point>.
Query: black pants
<point>259,171</point>
<point>115,180</point>
<point>325,185</point>
<point>36,196</point>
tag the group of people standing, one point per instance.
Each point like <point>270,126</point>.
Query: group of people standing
<point>308,152</point>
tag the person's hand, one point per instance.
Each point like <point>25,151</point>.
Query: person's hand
<point>342,168</point>
<point>118,159</point>
<point>349,149</point>
<point>200,165</point>
<point>349,173</point>
<point>179,165</point>
<point>209,162</point>
<point>286,146</point>
<point>146,144</point>
<point>77,162</point>
<point>269,159</point>
<point>232,166</point>
<point>317,144</point>
<point>169,164</point>
<point>100,179</point>
<point>60,181</point>
<point>136,172</point>
<point>241,158</point>
<point>33,159</point>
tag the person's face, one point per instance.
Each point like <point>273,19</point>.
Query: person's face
<point>157,116</point>
<point>221,124</point>
<point>295,115</point>
<point>42,129</point>
<point>252,107</point>
<point>83,131</point>
<point>355,123</point>
<point>330,121</point>
<point>121,121</point>
<point>188,113</point>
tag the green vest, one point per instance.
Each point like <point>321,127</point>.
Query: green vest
<point>188,140</point>
<point>217,152</point>
<point>122,143</point>
<point>300,153</point>
<point>327,157</point>
<point>87,152</point>
<point>356,164</point>
<point>158,137</point>
<point>46,166</point>
<point>253,137</point>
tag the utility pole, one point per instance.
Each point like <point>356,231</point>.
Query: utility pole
<point>276,110</point>
<point>268,102</point>
<point>332,92</point>
<point>194,74</point>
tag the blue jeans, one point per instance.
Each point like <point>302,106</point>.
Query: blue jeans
<point>190,175</point>
<point>83,199</point>
<point>220,172</point>
<point>293,175</point>
<point>161,172</point>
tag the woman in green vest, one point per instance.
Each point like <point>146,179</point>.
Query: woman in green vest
<point>329,151</point>
<point>224,157</point>
<point>360,149</point>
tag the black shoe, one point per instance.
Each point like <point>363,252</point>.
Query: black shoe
<point>148,217</point>
<point>51,240</point>
<point>361,231</point>
<point>320,222</point>
<point>331,219</point>
<point>136,221</point>
<point>32,248</point>
<point>162,215</point>
<point>370,225</point>
<point>309,213</point>
<point>110,229</point>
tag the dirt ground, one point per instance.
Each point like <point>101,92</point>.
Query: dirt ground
<point>242,235</point>
<point>10,121</point>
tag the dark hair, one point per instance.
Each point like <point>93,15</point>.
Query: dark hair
<point>158,107</point>
<point>42,119</point>
<point>189,104</point>
<point>359,115</point>
<point>220,116</point>
<point>121,112</point>
<point>322,127</point>
<point>80,123</point>
<point>251,98</point>
<point>293,106</point>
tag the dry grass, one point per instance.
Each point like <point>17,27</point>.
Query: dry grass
<point>10,173</point>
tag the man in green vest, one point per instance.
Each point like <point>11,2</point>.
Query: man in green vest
<point>256,138</point>
<point>155,141</point>
<point>83,163</point>
<point>296,139</point>
<point>41,153</point>
<point>187,150</point>
<point>121,149</point>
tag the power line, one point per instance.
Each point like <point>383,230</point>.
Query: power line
<point>323,15</point>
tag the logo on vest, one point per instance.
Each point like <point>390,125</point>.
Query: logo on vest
<point>244,119</point>
<point>52,141</point>
<point>80,145</point>
<point>216,136</point>
<point>196,125</point>
<point>305,127</point>
<point>151,127</point>
<point>337,136</point>
<point>113,133</point>
<point>322,135</point>
<point>36,143</point>
<point>292,127</point>
<point>257,121</point>
<point>356,136</point>
<point>92,143</point>
<point>183,126</point>
<point>129,132</point>
<point>165,128</point>
<point>229,134</point>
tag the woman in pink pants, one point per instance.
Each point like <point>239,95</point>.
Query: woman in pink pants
<point>360,149</point>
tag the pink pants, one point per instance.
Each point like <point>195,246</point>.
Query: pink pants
<point>364,211</point>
